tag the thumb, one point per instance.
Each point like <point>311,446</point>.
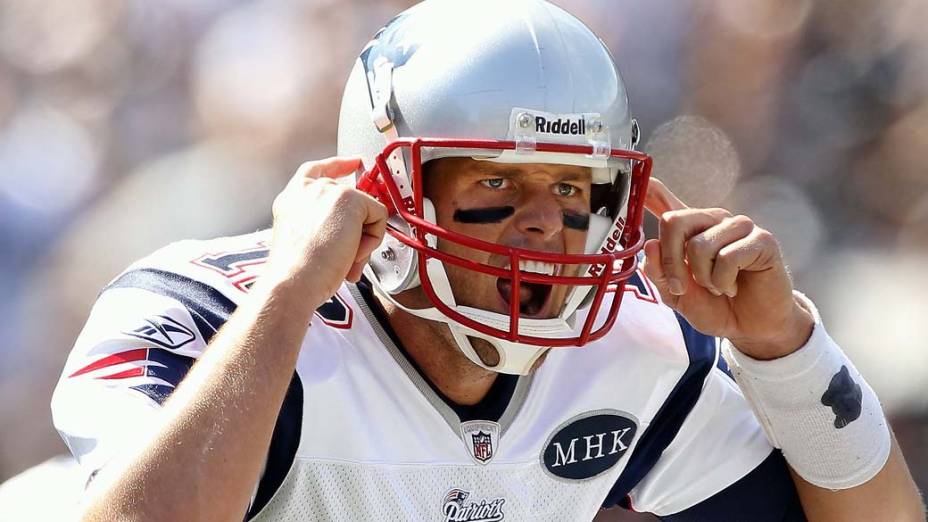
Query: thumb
<point>334,167</point>
<point>654,270</point>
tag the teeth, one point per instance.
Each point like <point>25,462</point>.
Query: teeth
<point>538,267</point>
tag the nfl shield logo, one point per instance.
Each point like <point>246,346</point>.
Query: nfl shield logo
<point>481,439</point>
<point>483,446</point>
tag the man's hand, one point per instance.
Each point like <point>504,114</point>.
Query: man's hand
<point>725,275</point>
<point>324,231</point>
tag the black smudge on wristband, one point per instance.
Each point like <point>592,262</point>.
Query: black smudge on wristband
<point>844,396</point>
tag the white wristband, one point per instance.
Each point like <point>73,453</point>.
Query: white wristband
<point>816,407</point>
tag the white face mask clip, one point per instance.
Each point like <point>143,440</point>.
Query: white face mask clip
<point>380,82</point>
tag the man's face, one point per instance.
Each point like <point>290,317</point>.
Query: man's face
<point>536,206</point>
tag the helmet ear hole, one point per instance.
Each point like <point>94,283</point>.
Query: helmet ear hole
<point>393,264</point>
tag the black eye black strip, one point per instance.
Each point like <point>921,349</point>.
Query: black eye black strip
<point>576,220</point>
<point>483,215</point>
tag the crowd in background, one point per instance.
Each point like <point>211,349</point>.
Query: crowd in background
<point>127,124</point>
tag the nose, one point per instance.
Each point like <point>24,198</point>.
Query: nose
<point>539,216</point>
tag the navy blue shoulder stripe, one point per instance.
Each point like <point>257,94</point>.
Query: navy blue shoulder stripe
<point>208,307</point>
<point>723,365</point>
<point>700,349</point>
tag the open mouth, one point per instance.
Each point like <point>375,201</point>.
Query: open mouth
<point>533,297</point>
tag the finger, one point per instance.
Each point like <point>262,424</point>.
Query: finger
<point>372,231</point>
<point>660,199</point>
<point>355,272</point>
<point>377,214</point>
<point>703,249</point>
<point>366,246</point>
<point>676,227</point>
<point>652,261</point>
<point>654,271</point>
<point>375,222</point>
<point>755,252</point>
<point>334,167</point>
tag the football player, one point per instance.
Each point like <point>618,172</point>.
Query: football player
<point>438,337</point>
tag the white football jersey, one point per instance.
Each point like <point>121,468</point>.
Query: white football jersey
<point>646,417</point>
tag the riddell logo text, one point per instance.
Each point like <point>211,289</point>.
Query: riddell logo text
<point>565,126</point>
<point>609,247</point>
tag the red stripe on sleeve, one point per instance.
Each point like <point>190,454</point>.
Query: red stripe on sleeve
<point>138,371</point>
<point>111,360</point>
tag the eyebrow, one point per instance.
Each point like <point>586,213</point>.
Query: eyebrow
<point>575,176</point>
<point>509,172</point>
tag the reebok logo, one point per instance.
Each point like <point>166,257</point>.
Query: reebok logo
<point>164,331</point>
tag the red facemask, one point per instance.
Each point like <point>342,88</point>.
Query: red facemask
<point>604,271</point>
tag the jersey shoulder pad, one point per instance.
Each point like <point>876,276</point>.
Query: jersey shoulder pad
<point>230,265</point>
<point>212,277</point>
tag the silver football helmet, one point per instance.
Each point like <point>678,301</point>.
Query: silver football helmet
<point>517,81</point>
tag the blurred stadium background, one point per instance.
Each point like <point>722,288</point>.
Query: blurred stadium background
<point>127,124</point>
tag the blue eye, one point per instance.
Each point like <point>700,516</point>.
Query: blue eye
<point>566,190</point>
<point>494,183</point>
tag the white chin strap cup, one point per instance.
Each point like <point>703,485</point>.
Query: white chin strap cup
<point>514,358</point>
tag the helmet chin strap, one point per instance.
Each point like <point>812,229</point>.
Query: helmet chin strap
<point>514,358</point>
